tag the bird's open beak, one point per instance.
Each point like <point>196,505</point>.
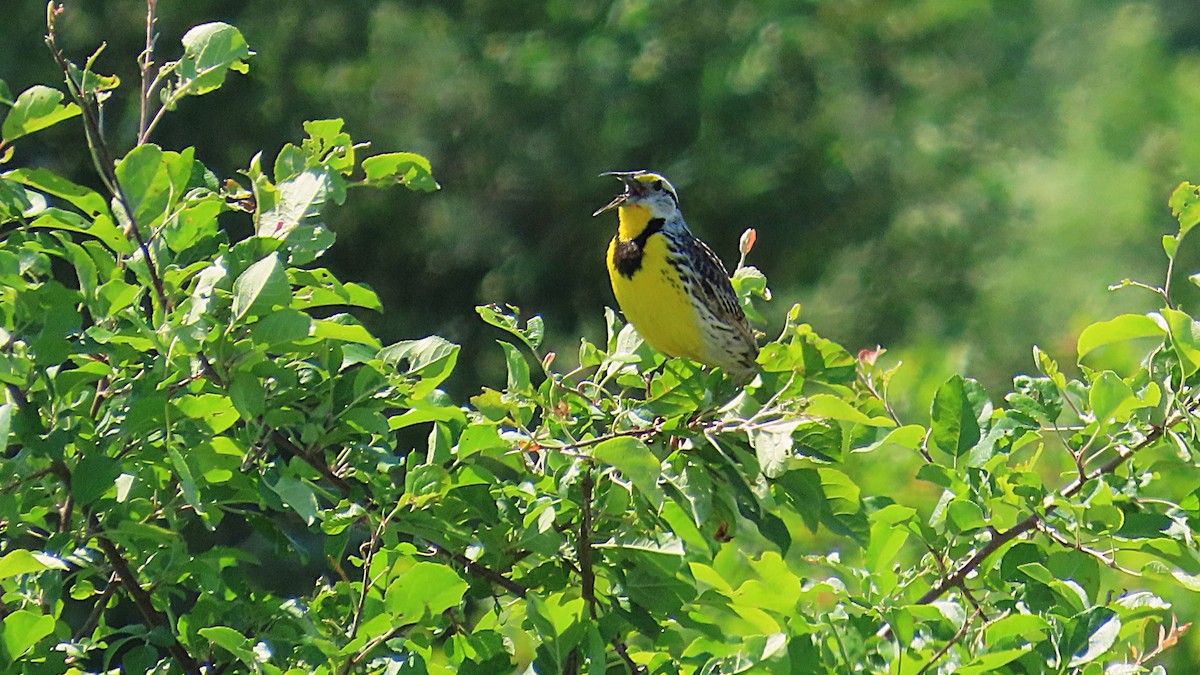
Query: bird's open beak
<point>633,188</point>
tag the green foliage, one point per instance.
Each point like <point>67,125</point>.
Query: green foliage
<point>185,406</point>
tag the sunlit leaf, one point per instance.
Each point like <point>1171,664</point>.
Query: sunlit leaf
<point>37,108</point>
<point>263,286</point>
<point>407,168</point>
<point>1124,327</point>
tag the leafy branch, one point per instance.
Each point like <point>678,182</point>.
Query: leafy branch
<point>1030,522</point>
<point>142,600</point>
<point>87,97</point>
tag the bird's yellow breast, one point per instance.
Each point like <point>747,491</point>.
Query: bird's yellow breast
<point>655,300</point>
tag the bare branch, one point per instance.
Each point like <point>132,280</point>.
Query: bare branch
<point>145,64</point>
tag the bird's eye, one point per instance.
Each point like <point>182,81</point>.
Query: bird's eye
<point>658,185</point>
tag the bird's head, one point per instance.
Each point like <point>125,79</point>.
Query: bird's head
<point>644,190</point>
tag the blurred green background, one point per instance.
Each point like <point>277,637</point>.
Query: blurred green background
<point>956,180</point>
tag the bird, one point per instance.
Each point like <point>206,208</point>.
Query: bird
<point>669,284</point>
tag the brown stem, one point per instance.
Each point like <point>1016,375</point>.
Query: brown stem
<point>141,598</point>
<point>584,547</point>
<point>287,445</point>
<point>476,570</point>
<point>619,647</point>
<point>640,432</point>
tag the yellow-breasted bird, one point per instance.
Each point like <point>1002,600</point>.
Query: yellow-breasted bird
<point>670,285</point>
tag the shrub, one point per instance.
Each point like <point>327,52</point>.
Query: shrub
<point>205,464</point>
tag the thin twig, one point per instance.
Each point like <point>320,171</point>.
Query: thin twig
<point>367,582</point>
<point>937,558</point>
<point>1110,562</point>
<point>477,570</point>
<point>93,619</point>
<point>962,632</point>
<point>145,63</point>
<point>640,432</point>
<point>370,647</point>
<point>317,462</point>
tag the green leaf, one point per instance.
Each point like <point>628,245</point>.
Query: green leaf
<point>214,411</point>
<point>101,228</point>
<point>748,283</point>
<point>294,217</point>
<point>192,224</point>
<point>1185,338</point>
<point>990,662</point>
<point>146,184</point>
<point>187,482</point>
<point>1124,327</point>
<point>1037,572</point>
<point>263,286</point>
<point>957,407</point>
<point>772,445</point>
<point>426,589</point>
<point>344,328</point>
<point>1185,206</point>
<point>87,200</point>
<point>282,325</point>
<point>332,148</point>
<point>842,492</point>
<point>1112,399</point>
<point>1049,367</point>
<point>430,359</point>
<point>21,561</point>
<point>6,411</point>
<point>93,476</point>
<point>37,108</point>
<point>909,436</point>
<point>298,496</point>
<point>210,51</point>
<point>232,641</point>
<point>518,369</point>
<point>248,395</point>
<point>23,629</point>
<point>966,515</point>
<point>887,540</point>
<point>1102,628</point>
<point>1170,244</point>
<point>507,319</point>
<point>1024,627</point>
<point>478,438</point>
<point>410,169</point>
<point>636,463</point>
<point>831,407</point>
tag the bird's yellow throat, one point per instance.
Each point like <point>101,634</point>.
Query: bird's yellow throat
<point>633,220</point>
